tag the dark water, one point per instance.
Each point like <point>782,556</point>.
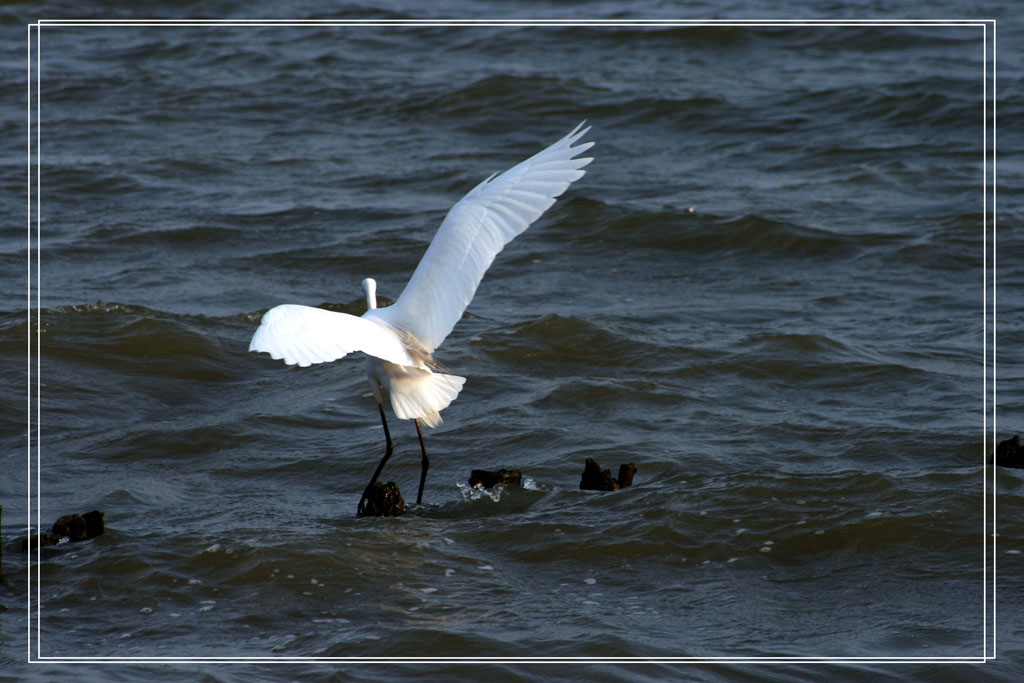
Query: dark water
<point>767,293</point>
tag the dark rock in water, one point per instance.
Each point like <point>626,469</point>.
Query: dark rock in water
<point>384,500</point>
<point>596,479</point>
<point>93,523</point>
<point>488,480</point>
<point>1008,453</point>
<point>626,473</point>
<point>79,527</point>
<point>69,528</point>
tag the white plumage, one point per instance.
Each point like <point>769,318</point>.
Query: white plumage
<point>303,335</point>
<point>399,339</point>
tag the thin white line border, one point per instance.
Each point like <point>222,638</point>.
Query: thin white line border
<point>989,218</point>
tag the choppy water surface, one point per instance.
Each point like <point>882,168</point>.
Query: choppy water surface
<point>767,293</point>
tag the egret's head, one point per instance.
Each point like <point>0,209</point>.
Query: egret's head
<point>370,289</point>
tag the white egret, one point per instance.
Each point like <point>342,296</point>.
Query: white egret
<point>399,340</point>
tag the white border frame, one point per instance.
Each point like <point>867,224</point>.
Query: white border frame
<point>34,346</point>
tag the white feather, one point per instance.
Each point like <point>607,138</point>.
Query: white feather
<point>416,393</point>
<point>303,335</point>
<point>474,231</point>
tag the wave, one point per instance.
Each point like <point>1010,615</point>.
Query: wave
<point>572,348</point>
<point>133,339</point>
<point>679,229</point>
<point>528,94</point>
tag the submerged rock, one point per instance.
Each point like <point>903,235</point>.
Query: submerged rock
<point>596,479</point>
<point>385,500</point>
<point>626,473</point>
<point>69,528</point>
<point>484,479</point>
<point>79,527</point>
<point>1008,453</point>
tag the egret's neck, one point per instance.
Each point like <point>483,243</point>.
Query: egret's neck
<point>370,288</point>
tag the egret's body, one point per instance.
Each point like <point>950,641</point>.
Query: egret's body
<point>399,340</point>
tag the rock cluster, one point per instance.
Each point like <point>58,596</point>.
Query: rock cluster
<point>1009,454</point>
<point>485,479</point>
<point>596,479</point>
<point>68,529</point>
<point>385,500</point>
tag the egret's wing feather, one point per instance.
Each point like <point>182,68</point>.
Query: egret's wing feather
<point>305,335</point>
<point>473,233</point>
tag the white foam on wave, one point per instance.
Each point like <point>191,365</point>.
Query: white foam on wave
<point>474,493</point>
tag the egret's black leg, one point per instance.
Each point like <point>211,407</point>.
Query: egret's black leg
<point>425,464</point>
<point>387,454</point>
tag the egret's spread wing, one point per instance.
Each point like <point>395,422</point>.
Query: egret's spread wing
<point>307,335</point>
<point>473,233</point>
